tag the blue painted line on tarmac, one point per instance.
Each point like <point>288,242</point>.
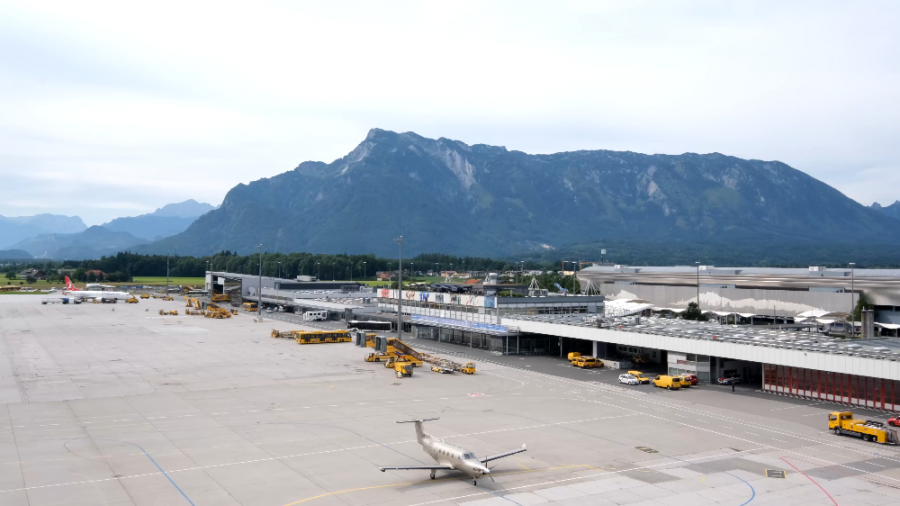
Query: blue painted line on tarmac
<point>188,499</point>
<point>752,490</point>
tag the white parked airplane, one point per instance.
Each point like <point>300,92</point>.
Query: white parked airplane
<point>451,457</point>
<point>80,295</point>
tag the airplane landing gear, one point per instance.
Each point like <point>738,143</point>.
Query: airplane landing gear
<point>433,473</point>
<point>475,482</point>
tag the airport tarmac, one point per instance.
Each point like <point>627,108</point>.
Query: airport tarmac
<point>116,405</point>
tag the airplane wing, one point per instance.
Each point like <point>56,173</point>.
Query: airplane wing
<point>447,468</point>
<point>501,455</point>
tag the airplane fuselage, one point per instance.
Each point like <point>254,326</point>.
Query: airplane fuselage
<point>458,458</point>
<point>85,294</point>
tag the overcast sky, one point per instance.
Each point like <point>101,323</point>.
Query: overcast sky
<point>113,109</point>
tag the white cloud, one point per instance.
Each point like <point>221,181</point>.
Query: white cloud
<point>155,103</point>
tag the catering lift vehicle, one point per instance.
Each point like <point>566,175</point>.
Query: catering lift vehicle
<point>843,423</point>
<point>451,457</point>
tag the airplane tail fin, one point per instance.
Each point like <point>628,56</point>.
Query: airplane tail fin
<point>420,432</point>
<point>70,286</point>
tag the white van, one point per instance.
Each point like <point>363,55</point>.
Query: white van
<point>313,316</point>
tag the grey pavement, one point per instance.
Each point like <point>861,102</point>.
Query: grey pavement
<point>116,405</point>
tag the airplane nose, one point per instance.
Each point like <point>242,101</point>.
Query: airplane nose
<point>486,471</point>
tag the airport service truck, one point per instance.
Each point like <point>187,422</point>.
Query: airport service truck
<point>843,423</point>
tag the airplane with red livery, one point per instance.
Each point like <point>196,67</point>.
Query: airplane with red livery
<point>80,295</point>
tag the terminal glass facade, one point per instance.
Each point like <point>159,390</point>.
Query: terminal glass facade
<point>846,388</point>
<point>512,345</point>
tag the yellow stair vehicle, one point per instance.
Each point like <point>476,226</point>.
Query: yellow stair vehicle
<point>400,351</point>
<point>640,377</point>
<point>132,300</point>
<point>587,362</point>
<point>667,382</point>
<point>843,423</point>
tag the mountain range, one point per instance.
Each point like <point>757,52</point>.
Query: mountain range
<point>69,238</point>
<point>892,210</point>
<point>14,229</point>
<point>164,222</point>
<point>446,196</point>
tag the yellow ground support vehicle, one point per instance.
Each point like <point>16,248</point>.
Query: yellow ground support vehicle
<point>145,295</point>
<point>249,306</point>
<point>842,422</point>
<point>469,368</point>
<point>403,369</point>
<point>667,382</point>
<point>685,381</point>
<point>573,357</point>
<point>321,336</point>
<point>173,312</point>
<point>132,300</point>
<point>278,333</point>
<point>221,297</point>
<point>640,377</point>
<point>377,357</point>
<point>587,362</point>
<point>640,359</point>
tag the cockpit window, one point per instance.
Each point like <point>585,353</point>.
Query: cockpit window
<point>468,456</point>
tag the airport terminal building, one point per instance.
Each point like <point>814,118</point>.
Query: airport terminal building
<point>633,319</point>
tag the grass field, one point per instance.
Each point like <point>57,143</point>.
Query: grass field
<point>161,280</point>
<point>39,284</point>
<point>139,280</point>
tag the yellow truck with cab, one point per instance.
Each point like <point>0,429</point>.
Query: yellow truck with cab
<point>843,423</point>
<point>403,369</point>
<point>574,356</point>
<point>667,382</point>
<point>145,295</point>
<point>469,368</point>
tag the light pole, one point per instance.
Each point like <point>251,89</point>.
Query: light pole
<point>167,276</point>
<point>400,287</point>
<point>333,261</point>
<point>278,285</point>
<point>365,275</point>
<point>259,289</point>
<point>412,271</point>
<point>523,270</point>
<point>318,272</point>
<point>852,301</point>
<point>698,284</point>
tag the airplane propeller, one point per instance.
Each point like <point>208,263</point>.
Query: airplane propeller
<point>489,468</point>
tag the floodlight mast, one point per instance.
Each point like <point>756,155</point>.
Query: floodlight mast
<point>400,287</point>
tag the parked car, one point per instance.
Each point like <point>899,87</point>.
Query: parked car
<point>894,421</point>
<point>628,379</point>
<point>728,380</point>
<point>692,378</point>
